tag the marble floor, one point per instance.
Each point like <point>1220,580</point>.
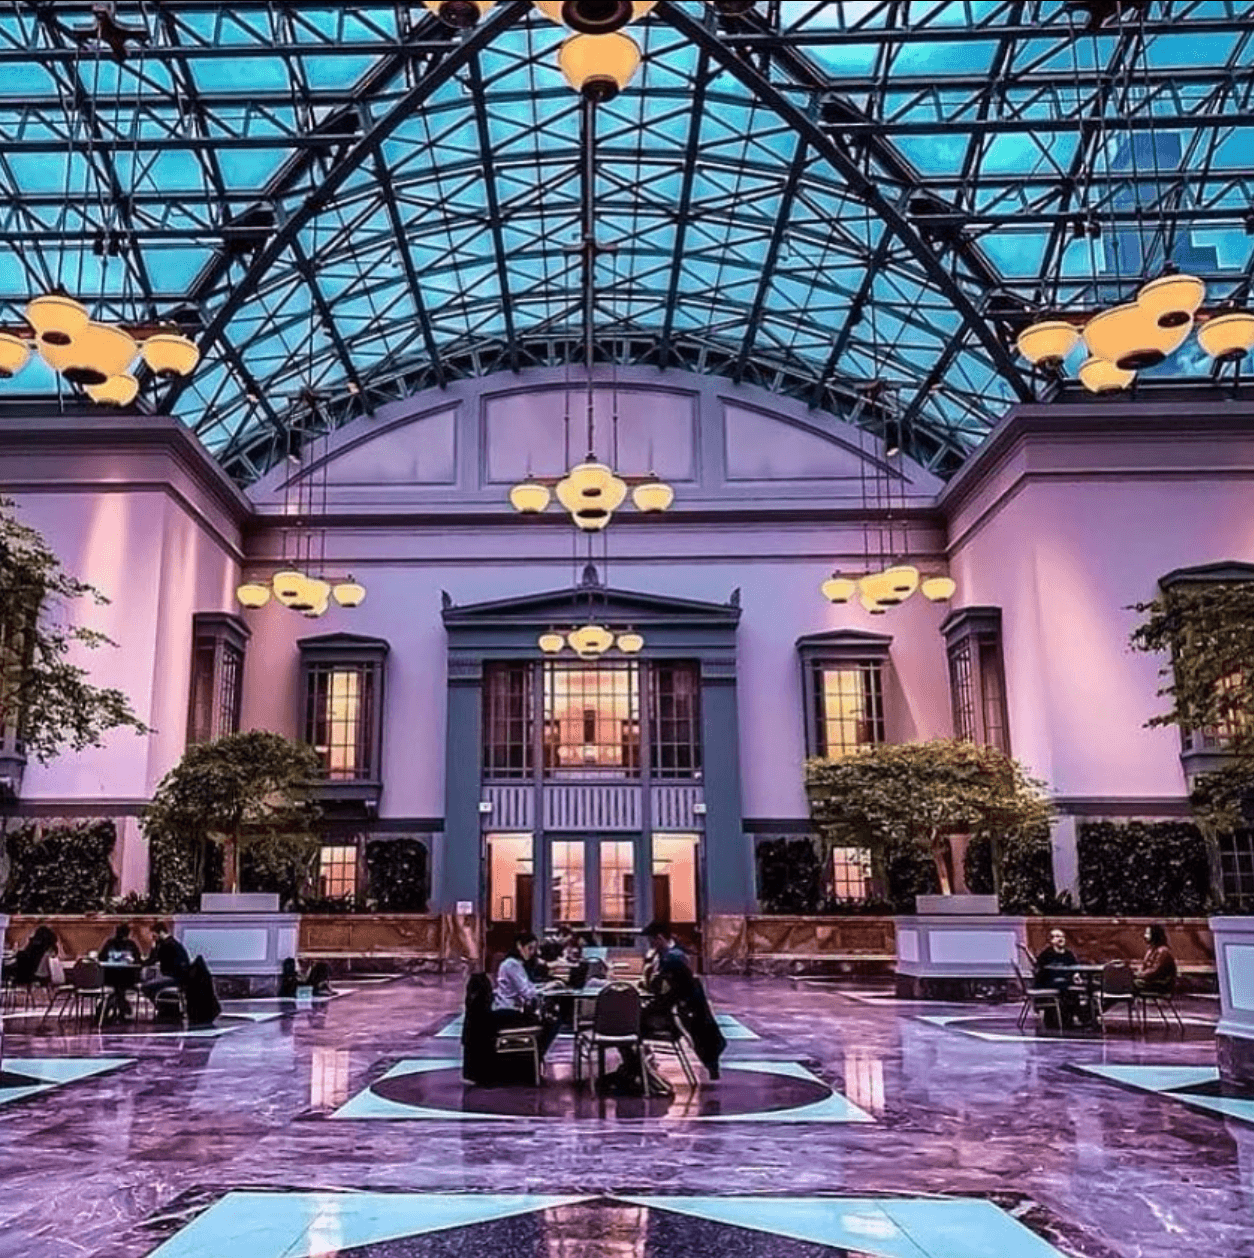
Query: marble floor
<point>844,1124</point>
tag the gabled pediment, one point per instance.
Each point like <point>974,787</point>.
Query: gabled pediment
<point>845,642</point>
<point>591,601</point>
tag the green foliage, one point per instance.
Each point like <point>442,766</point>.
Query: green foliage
<point>60,868</point>
<point>789,881</point>
<point>47,699</point>
<point>1143,868</point>
<point>398,875</point>
<point>284,865</point>
<point>1206,630</point>
<point>1027,874</point>
<point>903,801</point>
<point>247,794</point>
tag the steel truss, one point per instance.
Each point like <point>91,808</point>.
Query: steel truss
<point>831,201</point>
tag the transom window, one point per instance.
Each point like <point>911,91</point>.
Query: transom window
<point>592,719</point>
<point>849,713</point>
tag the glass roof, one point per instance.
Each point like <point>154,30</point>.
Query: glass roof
<point>856,204</point>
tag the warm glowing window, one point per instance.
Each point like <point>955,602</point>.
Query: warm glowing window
<point>508,721</point>
<point>851,873</point>
<point>337,871</point>
<point>1219,736</point>
<point>592,720</point>
<point>849,701</point>
<point>340,718</point>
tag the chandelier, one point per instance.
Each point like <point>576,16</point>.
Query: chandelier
<point>598,60</point>
<point>301,584</point>
<point>891,579</point>
<point>97,358</point>
<point>590,641</point>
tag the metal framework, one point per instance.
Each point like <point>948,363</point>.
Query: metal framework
<point>836,201</point>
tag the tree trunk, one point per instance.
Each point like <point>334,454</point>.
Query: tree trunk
<point>230,864</point>
<point>940,851</point>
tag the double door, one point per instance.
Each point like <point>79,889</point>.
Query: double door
<point>593,886</point>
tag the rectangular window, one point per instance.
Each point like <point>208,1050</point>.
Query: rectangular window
<point>977,678</point>
<point>851,873</point>
<point>337,871</point>
<point>961,691</point>
<point>340,719</point>
<point>1236,862</point>
<point>592,720</point>
<point>675,721</point>
<point>849,707</point>
<point>993,694</point>
<point>217,678</point>
<point>1217,737</point>
<point>508,721</point>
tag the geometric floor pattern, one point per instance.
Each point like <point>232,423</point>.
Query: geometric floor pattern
<point>752,1091</point>
<point>22,1077</point>
<point>1195,1086</point>
<point>1003,1028</point>
<point>412,1225</point>
<point>731,1027</point>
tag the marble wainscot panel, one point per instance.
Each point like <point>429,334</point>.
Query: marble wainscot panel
<point>957,948</point>
<point>244,940</point>
<point>1234,1038</point>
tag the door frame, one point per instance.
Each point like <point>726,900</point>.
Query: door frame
<point>642,868</point>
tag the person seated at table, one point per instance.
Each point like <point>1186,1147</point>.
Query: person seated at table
<point>1157,971</point>
<point>678,992</point>
<point>30,963</point>
<point>517,999</point>
<point>1055,968</point>
<point>289,979</point>
<point>120,948</point>
<point>171,960</point>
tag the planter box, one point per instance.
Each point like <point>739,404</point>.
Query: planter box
<point>391,942</point>
<point>956,956</point>
<point>244,951</point>
<point>1234,1037</point>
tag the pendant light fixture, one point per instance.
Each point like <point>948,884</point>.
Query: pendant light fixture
<point>598,67</point>
<point>595,17</point>
<point>459,14</point>
<point>1047,344</point>
<point>170,354</point>
<point>1099,376</point>
<point>118,390</point>
<point>1227,337</point>
<point>14,355</point>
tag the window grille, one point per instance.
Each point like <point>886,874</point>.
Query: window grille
<point>337,871</point>
<point>592,720</point>
<point>340,719</point>
<point>977,679</point>
<point>961,690</point>
<point>675,727</point>
<point>1236,863</point>
<point>217,677</point>
<point>849,710</point>
<point>851,873</point>
<point>509,721</point>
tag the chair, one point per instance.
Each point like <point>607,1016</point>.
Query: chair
<point>1036,999</point>
<point>85,987</point>
<point>615,1024</point>
<point>522,1040</point>
<point>58,984</point>
<point>671,1041</point>
<point>1162,996</point>
<point>1116,988</point>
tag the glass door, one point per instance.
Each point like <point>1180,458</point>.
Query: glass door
<point>593,887</point>
<point>568,905</point>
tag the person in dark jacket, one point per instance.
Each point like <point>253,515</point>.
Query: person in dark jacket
<point>30,964</point>
<point>679,993</point>
<point>289,979</point>
<point>120,947</point>
<point>479,1033</point>
<point>171,960</point>
<point>1055,967</point>
<point>202,1000</point>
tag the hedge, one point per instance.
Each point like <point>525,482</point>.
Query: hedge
<point>1143,869</point>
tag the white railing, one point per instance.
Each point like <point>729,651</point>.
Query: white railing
<point>513,807</point>
<point>591,806</point>
<point>674,806</point>
<point>594,806</point>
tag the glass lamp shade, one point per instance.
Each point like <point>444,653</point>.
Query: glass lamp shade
<point>288,585</point>
<point>630,643</point>
<point>348,593</point>
<point>902,579</point>
<point>838,589</point>
<point>881,589</point>
<point>595,17</point>
<point>1047,343</point>
<point>869,604</point>
<point>169,355</point>
<point>1172,299</point>
<point>599,66</point>
<point>591,493</point>
<point>314,593</point>
<point>459,13</point>
<point>652,495</point>
<point>529,497</point>
<point>1099,376</point>
<point>551,643</point>
<point>14,355</point>
<point>938,589</point>
<point>252,594</point>
<point>590,640</point>
<point>1131,337</point>
<point>1227,337</point>
<point>97,352</point>
<point>56,319</point>
<point>318,609</point>
<point>116,391</point>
